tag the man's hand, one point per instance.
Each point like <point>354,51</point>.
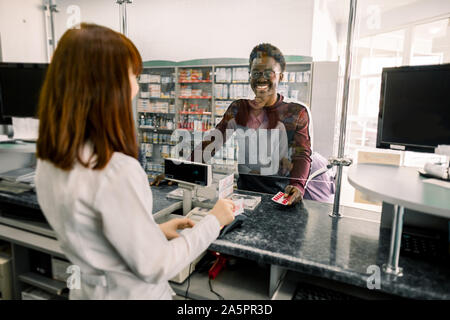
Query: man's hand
<point>170,227</point>
<point>160,178</point>
<point>294,193</point>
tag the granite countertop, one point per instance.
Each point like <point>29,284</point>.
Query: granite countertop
<point>29,199</point>
<point>26,199</point>
<point>160,200</point>
<point>305,239</point>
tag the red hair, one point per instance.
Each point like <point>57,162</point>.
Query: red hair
<point>86,97</point>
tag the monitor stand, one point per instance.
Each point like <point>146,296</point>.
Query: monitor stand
<point>188,193</point>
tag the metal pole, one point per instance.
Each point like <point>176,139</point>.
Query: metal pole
<point>53,9</point>
<point>341,149</point>
<point>47,36</point>
<point>49,10</point>
<point>396,240</point>
<point>123,16</point>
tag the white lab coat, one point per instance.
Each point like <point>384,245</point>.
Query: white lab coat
<point>103,221</point>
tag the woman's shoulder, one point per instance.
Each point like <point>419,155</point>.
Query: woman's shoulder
<point>123,163</point>
<point>121,170</point>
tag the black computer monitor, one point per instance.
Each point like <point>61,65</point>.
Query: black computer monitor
<point>414,109</point>
<point>20,85</point>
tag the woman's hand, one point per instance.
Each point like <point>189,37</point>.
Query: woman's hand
<point>294,193</point>
<point>170,227</point>
<point>223,211</point>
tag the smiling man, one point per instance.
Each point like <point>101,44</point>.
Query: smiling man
<point>284,126</point>
<point>269,110</point>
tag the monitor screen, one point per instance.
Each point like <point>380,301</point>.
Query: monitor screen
<point>414,108</point>
<point>20,85</point>
<point>186,171</point>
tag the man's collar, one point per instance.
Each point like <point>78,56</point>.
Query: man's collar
<point>278,103</point>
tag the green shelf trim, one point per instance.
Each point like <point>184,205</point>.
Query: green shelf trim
<point>290,58</point>
<point>216,61</point>
<point>212,61</point>
<point>159,63</point>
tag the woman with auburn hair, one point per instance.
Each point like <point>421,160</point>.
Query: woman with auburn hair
<point>89,184</point>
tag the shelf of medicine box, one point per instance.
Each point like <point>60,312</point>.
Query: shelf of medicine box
<point>206,113</point>
<point>299,83</point>
<point>154,112</point>
<point>195,97</point>
<point>221,98</point>
<point>232,82</point>
<point>49,285</point>
<point>158,143</point>
<point>195,81</point>
<point>161,98</point>
<point>158,98</point>
<point>155,129</point>
<point>153,174</point>
<point>192,130</point>
<point>154,82</point>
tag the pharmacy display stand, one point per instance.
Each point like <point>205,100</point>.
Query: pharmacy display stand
<point>402,187</point>
<point>193,95</point>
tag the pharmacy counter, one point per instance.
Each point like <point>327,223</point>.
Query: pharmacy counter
<point>305,239</point>
<point>26,206</point>
<point>348,249</point>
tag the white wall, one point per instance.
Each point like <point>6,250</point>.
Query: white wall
<point>324,46</point>
<point>102,12</point>
<point>323,105</point>
<point>180,30</point>
<point>22,31</point>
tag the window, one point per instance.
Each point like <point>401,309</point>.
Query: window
<point>431,43</point>
<point>372,55</point>
<point>416,44</point>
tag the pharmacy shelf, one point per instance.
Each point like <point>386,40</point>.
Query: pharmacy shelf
<point>155,82</point>
<point>195,97</point>
<point>158,98</point>
<point>210,71</point>
<point>155,129</point>
<point>196,112</point>
<point>195,81</point>
<point>49,285</point>
<point>192,130</point>
<point>153,112</point>
<point>232,82</point>
<point>159,144</point>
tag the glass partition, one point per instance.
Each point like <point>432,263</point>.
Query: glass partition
<point>388,34</point>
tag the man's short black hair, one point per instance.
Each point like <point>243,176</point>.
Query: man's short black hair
<point>270,51</point>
